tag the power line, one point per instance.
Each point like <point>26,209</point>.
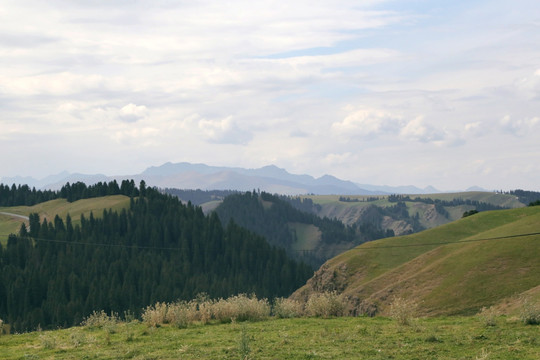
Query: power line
<point>433,244</point>
<point>98,244</point>
<point>298,250</point>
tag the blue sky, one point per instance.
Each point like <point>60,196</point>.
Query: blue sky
<point>442,93</point>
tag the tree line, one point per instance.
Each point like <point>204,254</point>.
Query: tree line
<point>59,271</point>
<point>270,216</point>
<point>23,195</point>
<point>441,204</point>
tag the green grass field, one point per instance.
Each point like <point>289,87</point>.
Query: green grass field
<point>304,338</point>
<point>308,236</point>
<point>59,207</point>
<point>349,212</point>
<point>447,270</point>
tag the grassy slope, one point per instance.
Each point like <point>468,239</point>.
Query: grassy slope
<point>61,207</point>
<point>338,338</point>
<point>308,236</point>
<point>348,211</point>
<point>444,279</point>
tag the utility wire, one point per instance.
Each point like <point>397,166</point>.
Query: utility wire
<point>97,244</point>
<point>306,250</point>
<point>438,243</point>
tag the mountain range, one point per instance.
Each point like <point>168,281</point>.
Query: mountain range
<point>185,175</point>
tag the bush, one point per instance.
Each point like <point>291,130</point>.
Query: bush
<point>241,308</point>
<point>236,308</point>
<point>530,313</point>
<point>100,320</point>
<point>287,308</point>
<point>155,315</point>
<point>326,304</point>
<point>403,311</point>
<point>488,316</point>
<point>182,313</point>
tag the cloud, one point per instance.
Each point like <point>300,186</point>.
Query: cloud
<point>519,127</point>
<point>476,129</point>
<point>224,131</point>
<point>139,136</point>
<point>60,84</point>
<point>132,113</point>
<point>368,122</point>
<point>342,158</point>
<point>418,130</point>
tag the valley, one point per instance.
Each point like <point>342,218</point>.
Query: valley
<point>448,267</point>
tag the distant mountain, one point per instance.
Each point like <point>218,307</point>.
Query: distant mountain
<point>269,178</point>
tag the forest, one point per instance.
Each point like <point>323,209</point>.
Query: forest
<point>57,272</point>
<point>270,216</point>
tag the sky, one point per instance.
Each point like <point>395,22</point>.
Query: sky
<point>409,92</point>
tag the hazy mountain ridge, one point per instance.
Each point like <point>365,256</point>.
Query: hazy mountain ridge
<point>185,175</point>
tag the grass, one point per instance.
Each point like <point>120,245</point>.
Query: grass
<point>8,225</point>
<point>313,338</point>
<point>308,236</point>
<point>348,212</point>
<point>60,207</point>
<point>444,279</point>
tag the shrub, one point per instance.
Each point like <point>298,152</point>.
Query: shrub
<point>243,345</point>
<point>530,313</point>
<point>100,319</point>
<point>488,316</point>
<point>326,304</point>
<point>155,315</point>
<point>182,313</point>
<point>241,308</point>
<point>287,308</point>
<point>403,310</point>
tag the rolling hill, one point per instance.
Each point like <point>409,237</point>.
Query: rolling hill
<point>61,207</point>
<point>127,253</point>
<point>428,211</point>
<point>457,268</point>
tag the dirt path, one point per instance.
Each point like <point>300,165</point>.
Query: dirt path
<point>15,215</point>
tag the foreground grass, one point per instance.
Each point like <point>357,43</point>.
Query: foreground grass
<point>305,338</point>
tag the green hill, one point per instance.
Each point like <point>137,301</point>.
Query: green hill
<point>303,235</point>
<point>423,211</point>
<point>61,207</point>
<point>122,254</point>
<point>456,268</point>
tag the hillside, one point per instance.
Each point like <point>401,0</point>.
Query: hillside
<point>61,207</point>
<point>303,235</point>
<point>446,270</point>
<point>422,211</point>
<point>292,339</point>
<point>138,251</point>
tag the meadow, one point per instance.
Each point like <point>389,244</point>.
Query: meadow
<point>300,338</point>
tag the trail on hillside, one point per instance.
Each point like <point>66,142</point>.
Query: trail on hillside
<point>15,215</point>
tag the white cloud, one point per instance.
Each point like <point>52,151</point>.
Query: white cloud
<point>367,122</point>
<point>476,129</point>
<point>121,74</point>
<point>132,112</point>
<point>342,158</point>
<point>418,130</point>
<point>224,131</point>
<point>139,137</point>
<point>519,127</point>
